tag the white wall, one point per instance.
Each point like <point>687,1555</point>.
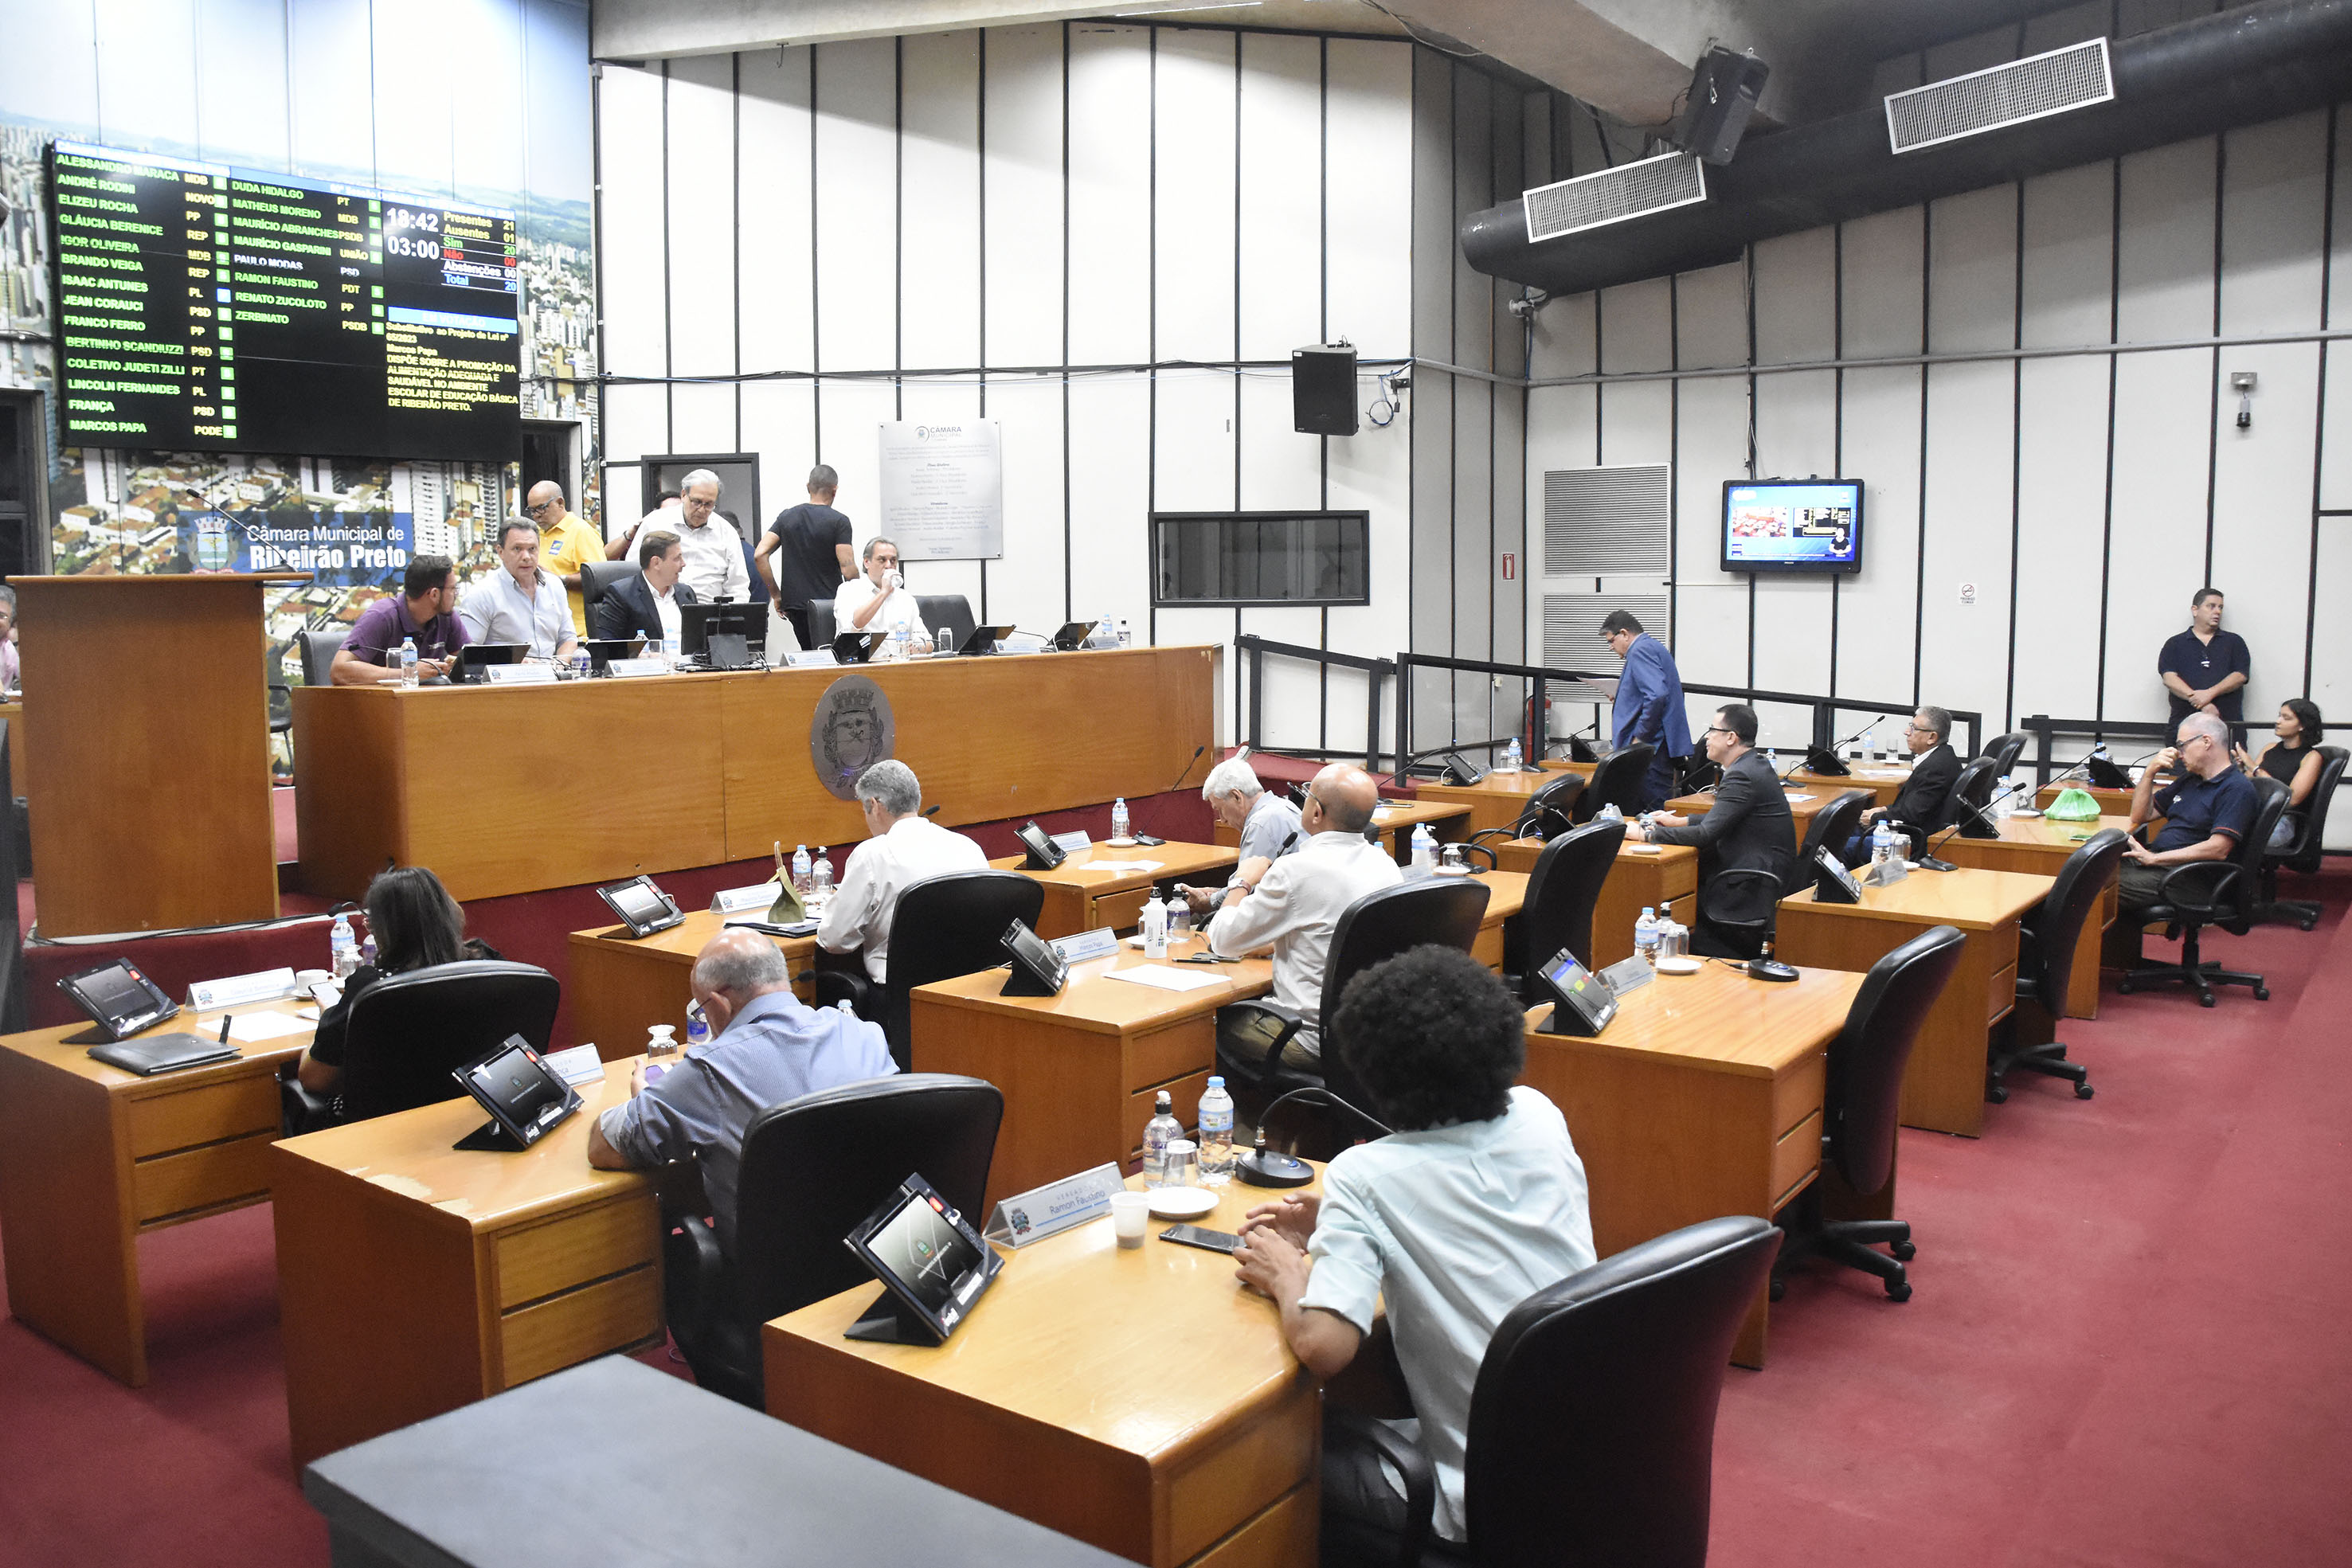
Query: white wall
<point>1108,237</point>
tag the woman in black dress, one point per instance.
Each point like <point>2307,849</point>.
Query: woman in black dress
<point>2293,760</point>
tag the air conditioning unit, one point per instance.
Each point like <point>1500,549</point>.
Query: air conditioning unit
<point>1613,196</point>
<point>2035,88</point>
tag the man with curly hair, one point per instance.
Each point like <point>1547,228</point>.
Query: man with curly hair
<point>1473,1203</point>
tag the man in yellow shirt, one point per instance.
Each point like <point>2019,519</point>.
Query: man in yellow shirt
<point>565,543</point>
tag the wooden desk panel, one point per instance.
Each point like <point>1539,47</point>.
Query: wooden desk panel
<point>1943,1088</point>
<point>2039,846</point>
<point>91,1158</point>
<point>413,1277</point>
<point>1138,1400</point>
<point>1079,898</point>
<point>1703,1098</point>
<point>621,986</point>
<point>1803,804</point>
<point>1394,821</point>
<point>1883,782</point>
<point>1664,878</point>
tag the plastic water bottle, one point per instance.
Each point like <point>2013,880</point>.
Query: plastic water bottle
<point>820,878</point>
<point>944,640</point>
<point>367,951</point>
<point>801,870</point>
<point>1162,1126</point>
<point>1512,756</point>
<point>1155,928</point>
<point>1126,638</point>
<point>408,661</point>
<point>670,652</point>
<point>1424,849</point>
<point>1882,842</point>
<point>1646,936</point>
<point>1609,813</point>
<point>1180,916</point>
<point>1119,822</point>
<point>1772,759</point>
<point>844,1006</point>
<point>661,1039</point>
<point>579,664</point>
<point>698,1027</point>
<point>1216,1134</point>
<point>343,946</point>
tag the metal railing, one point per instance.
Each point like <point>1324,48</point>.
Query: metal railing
<point>1253,650</point>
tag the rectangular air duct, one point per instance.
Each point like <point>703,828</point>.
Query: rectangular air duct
<point>2075,76</point>
<point>1612,196</point>
<point>1608,522</point>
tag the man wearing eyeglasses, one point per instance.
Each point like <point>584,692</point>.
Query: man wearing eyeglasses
<point>1649,703</point>
<point>1749,828</point>
<point>2206,811</point>
<point>565,543</point>
<point>1925,802</point>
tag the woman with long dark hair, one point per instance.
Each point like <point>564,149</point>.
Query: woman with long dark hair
<point>2293,760</point>
<point>416,925</point>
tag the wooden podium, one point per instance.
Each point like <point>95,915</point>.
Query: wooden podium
<point>147,720</point>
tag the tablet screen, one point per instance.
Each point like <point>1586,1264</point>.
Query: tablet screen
<point>927,1255</point>
<point>513,1083</point>
<point>117,996</point>
<point>637,904</point>
<point>1036,954</point>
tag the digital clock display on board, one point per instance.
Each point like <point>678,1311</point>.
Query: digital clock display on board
<point>206,307</point>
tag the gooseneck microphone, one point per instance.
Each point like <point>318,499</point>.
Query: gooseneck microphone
<point>1192,759</point>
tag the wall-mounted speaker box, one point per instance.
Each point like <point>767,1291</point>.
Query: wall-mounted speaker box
<point>1323,390</point>
<point>1723,94</point>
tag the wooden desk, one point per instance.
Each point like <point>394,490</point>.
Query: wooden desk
<point>1943,1088</point>
<point>1803,804</point>
<point>1141,1400</point>
<point>1394,821</point>
<point>1664,877</point>
<point>414,1278</point>
<point>1495,800</point>
<point>91,1158</point>
<point>12,714</point>
<point>1079,1070</point>
<point>2112,803</point>
<point>621,986</point>
<point>2039,846</point>
<point>414,774</point>
<point>1882,782</point>
<point>1079,898</point>
<point>1703,1098</point>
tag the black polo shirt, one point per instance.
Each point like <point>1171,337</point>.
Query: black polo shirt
<point>2196,808</point>
<point>2201,664</point>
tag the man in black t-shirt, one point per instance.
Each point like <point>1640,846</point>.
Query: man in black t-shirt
<point>810,545</point>
<point>2204,669</point>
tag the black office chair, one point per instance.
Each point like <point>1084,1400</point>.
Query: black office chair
<point>1550,812</point>
<point>941,927</point>
<point>1719,937</point>
<point>1835,823</point>
<point>2213,893</point>
<point>953,611</point>
<point>1616,781</point>
<point>1972,796</point>
<point>407,1035</point>
<point>820,623</point>
<point>598,578</point>
<point>1863,1091</point>
<point>1557,911</point>
<point>318,646</point>
<point>2004,750</point>
<point>2045,961</point>
<point>1380,925</point>
<point>279,697</point>
<point>2303,854</point>
<point>1696,773</point>
<point>811,1170</point>
<point>1592,1438</point>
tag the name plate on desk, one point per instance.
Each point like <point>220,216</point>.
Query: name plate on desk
<point>627,667</point>
<point>736,900</point>
<point>1099,942</point>
<point>241,990</point>
<point>1071,842</point>
<point>1889,872</point>
<point>1055,1208</point>
<point>520,674</point>
<point>809,658</point>
<point>1627,975</point>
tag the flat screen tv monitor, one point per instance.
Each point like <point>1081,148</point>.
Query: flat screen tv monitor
<point>1794,525</point>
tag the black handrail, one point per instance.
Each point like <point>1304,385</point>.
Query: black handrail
<point>1256,648</point>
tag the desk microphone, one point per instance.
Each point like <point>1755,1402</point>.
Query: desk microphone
<point>1928,861</point>
<point>932,810</point>
<point>1263,1168</point>
<point>1195,757</point>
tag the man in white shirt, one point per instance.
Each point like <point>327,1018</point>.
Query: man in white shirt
<point>1295,908</point>
<point>1473,1203</point>
<point>905,848</point>
<point>714,551</point>
<point>519,602</point>
<point>878,601</point>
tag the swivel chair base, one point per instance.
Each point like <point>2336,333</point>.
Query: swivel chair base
<point>1852,1243</point>
<point>2198,973</point>
<point>2050,1059</point>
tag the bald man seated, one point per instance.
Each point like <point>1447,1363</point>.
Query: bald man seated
<point>766,1047</point>
<point>1295,908</point>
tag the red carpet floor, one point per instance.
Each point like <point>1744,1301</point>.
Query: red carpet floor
<point>2125,1347</point>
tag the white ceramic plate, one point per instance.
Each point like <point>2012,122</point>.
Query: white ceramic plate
<point>1684,965</point>
<point>1183,1202</point>
<point>1119,843</point>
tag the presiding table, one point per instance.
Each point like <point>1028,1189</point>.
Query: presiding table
<point>1702,1098</point>
<point>413,1277</point>
<point>1943,1087</point>
<point>671,771</point>
<point>1664,877</point>
<point>92,1158</point>
<point>1080,898</point>
<point>1139,1400</point>
<point>2039,846</point>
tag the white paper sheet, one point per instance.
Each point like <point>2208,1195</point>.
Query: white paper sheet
<point>1163,978</point>
<point>267,1024</point>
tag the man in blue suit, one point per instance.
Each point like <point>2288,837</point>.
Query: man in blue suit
<point>1648,706</point>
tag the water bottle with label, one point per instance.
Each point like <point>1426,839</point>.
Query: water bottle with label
<point>1424,849</point>
<point>408,661</point>
<point>670,652</point>
<point>1512,756</point>
<point>1126,638</point>
<point>1154,920</point>
<point>820,877</point>
<point>1216,1134</point>
<point>1180,915</point>
<point>579,664</point>
<point>1157,1132</point>
<point>698,1027</point>
<point>1882,842</point>
<point>800,872</point>
<point>1119,822</point>
<point>1772,759</point>
<point>343,947</point>
<point>944,640</point>
<point>1646,936</point>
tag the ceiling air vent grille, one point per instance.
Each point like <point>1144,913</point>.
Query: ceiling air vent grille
<point>1612,196</point>
<point>2075,76</point>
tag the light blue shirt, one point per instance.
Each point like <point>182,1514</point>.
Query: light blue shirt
<point>776,1049</point>
<point>1271,830</point>
<point>496,610</point>
<point>1453,1227</point>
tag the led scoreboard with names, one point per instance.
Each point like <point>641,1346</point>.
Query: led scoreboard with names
<point>218,308</point>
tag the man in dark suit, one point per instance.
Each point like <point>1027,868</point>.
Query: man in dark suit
<point>646,605</point>
<point>1749,828</point>
<point>1926,799</point>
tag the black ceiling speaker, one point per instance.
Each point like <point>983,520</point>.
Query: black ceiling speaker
<point>1723,93</point>
<point>1323,389</point>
